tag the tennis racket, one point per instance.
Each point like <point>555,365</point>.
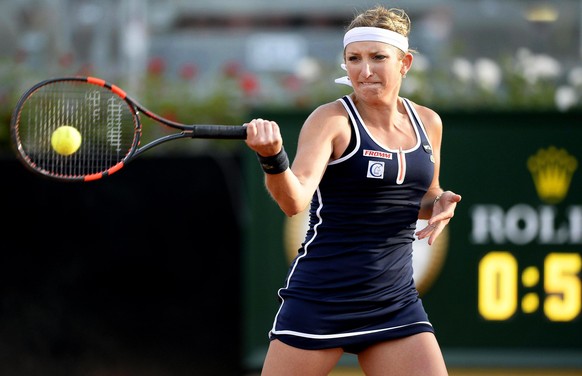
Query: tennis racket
<point>102,129</point>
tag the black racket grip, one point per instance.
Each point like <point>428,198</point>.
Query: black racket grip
<point>224,132</point>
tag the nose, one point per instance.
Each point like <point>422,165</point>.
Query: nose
<point>366,70</point>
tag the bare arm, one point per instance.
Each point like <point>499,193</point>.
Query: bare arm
<point>437,205</point>
<point>434,127</point>
<point>294,188</point>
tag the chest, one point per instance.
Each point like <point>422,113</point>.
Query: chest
<point>373,168</point>
<point>394,138</point>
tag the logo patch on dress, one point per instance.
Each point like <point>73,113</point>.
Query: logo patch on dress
<point>375,170</point>
<point>428,149</point>
<point>377,154</point>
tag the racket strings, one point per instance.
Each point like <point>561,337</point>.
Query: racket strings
<point>105,121</point>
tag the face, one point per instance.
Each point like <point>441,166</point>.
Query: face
<point>375,67</point>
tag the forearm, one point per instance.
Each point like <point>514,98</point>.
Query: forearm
<point>288,192</point>
<point>428,201</point>
<point>282,184</point>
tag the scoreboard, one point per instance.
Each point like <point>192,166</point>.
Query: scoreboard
<point>503,284</point>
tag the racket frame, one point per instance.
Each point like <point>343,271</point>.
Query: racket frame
<point>208,131</point>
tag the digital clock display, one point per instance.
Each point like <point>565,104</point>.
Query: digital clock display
<point>500,279</point>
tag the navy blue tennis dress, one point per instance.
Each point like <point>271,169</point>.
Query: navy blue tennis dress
<point>351,284</point>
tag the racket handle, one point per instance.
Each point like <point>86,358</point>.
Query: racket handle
<point>233,132</point>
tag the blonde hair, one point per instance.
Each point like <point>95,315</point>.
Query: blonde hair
<point>393,19</point>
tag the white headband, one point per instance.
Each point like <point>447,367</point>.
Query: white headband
<point>376,34</point>
<point>372,34</point>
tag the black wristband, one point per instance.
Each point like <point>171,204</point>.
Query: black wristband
<point>274,164</point>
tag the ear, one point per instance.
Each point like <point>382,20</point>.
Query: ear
<point>406,63</point>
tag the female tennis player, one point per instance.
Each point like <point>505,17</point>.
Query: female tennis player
<point>368,166</point>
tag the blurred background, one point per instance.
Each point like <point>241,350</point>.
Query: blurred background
<point>471,54</point>
<point>171,267</point>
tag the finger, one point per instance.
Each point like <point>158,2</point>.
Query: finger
<point>266,129</point>
<point>443,216</point>
<point>426,231</point>
<point>434,235</point>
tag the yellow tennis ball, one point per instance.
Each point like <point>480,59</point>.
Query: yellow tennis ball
<point>66,140</point>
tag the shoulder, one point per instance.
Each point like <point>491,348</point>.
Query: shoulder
<point>430,118</point>
<point>326,129</point>
<point>327,117</point>
<point>432,122</point>
<point>330,111</point>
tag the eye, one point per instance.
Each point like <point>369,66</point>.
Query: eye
<point>353,58</point>
<point>380,57</point>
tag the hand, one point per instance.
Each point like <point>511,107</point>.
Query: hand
<point>264,137</point>
<point>442,212</point>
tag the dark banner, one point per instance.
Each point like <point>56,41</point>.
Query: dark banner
<point>122,276</point>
